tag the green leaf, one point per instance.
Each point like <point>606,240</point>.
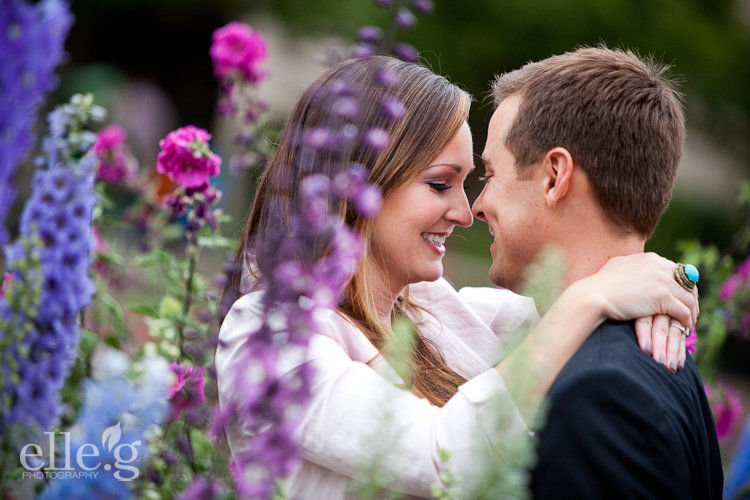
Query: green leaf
<point>216,242</point>
<point>147,306</point>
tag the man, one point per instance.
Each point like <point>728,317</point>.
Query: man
<point>581,154</point>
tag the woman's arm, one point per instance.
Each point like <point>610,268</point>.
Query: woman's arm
<point>625,288</point>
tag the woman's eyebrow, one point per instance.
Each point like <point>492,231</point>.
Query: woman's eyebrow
<point>455,167</point>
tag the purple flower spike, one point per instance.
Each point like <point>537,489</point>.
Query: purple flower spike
<point>377,139</point>
<point>363,50</point>
<point>368,201</point>
<point>407,53</point>
<point>319,139</point>
<point>388,78</point>
<point>369,34</point>
<point>346,107</point>
<point>392,108</point>
<point>342,88</point>
<point>349,183</point>
<point>423,6</point>
<point>405,19</point>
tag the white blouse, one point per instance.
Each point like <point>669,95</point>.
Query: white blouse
<point>357,412</point>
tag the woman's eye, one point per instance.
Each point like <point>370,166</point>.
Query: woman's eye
<point>438,186</point>
<point>484,179</point>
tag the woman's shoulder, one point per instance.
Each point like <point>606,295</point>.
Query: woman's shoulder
<point>245,317</point>
<point>488,303</point>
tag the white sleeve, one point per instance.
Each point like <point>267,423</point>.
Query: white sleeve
<point>353,413</point>
<point>502,310</point>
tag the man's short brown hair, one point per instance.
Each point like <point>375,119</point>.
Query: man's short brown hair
<point>618,115</point>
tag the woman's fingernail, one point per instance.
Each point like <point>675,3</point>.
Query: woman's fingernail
<point>681,365</point>
<point>649,349</point>
<point>673,366</point>
<point>663,361</point>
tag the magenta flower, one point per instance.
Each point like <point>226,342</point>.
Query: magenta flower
<point>6,279</point>
<point>237,49</point>
<point>726,407</point>
<point>186,159</point>
<point>691,342</point>
<point>729,288</point>
<point>116,163</point>
<point>187,390</point>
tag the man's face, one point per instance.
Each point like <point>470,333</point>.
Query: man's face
<point>512,208</point>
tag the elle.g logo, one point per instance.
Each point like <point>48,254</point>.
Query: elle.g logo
<point>87,458</point>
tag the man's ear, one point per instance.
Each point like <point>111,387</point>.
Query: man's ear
<point>558,174</point>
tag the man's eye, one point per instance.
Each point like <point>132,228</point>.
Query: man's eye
<point>438,186</point>
<point>484,179</point>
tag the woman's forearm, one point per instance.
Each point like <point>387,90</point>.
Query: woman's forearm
<point>531,368</point>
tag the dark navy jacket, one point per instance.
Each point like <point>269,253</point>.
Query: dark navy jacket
<point>621,426</point>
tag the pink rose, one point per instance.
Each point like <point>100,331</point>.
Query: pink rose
<point>186,158</point>
<point>187,390</point>
<point>116,162</point>
<point>236,48</point>
<point>726,407</point>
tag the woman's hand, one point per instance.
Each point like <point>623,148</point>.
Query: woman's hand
<point>639,286</point>
<point>661,337</point>
<point>644,283</point>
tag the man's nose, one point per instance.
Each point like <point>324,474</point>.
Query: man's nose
<point>478,208</point>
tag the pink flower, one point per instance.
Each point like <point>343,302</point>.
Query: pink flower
<point>186,158</point>
<point>187,390</point>
<point>236,48</point>
<point>6,279</point>
<point>726,407</point>
<point>729,288</point>
<point>691,342</point>
<point>116,162</point>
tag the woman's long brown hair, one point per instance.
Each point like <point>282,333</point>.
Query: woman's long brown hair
<point>434,110</point>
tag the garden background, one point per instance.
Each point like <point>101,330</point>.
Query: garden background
<point>147,62</point>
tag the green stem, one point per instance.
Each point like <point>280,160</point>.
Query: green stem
<point>192,251</point>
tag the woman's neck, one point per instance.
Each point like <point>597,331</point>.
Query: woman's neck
<point>385,296</point>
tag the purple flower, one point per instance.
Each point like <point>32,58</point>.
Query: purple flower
<point>405,19</point>
<point>52,274</point>
<point>203,488</point>
<point>369,34</point>
<point>377,139</point>
<point>392,108</point>
<point>726,407</point>
<point>406,52</point>
<point>388,78</point>
<point>423,6</point>
<point>186,159</point>
<point>31,46</point>
<point>237,49</point>
<point>319,139</point>
<point>368,201</point>
<point>117,164</point>
<point>363,50</point>
<point>346,107</point>
<point>186,391</point>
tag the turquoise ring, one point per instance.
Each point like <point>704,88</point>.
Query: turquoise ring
<point>687,276</point>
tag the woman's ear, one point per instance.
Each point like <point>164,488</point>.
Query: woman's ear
<point>558,174</point>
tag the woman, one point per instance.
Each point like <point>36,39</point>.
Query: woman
<point>458,334</point>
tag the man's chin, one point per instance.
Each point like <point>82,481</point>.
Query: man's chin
<point>499,279</point>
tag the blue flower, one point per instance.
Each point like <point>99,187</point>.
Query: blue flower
<point>31,46</point>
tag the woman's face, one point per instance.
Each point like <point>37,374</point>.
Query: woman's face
<point>411,228</point>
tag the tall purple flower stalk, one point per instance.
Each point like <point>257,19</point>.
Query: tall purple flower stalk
<point>50,261</point>
<point>31,46</point>
<point>306,255</point>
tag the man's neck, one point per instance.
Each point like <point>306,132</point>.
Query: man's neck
<point>585,256</point>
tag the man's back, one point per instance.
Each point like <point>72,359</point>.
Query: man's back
<point>620,426</point>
